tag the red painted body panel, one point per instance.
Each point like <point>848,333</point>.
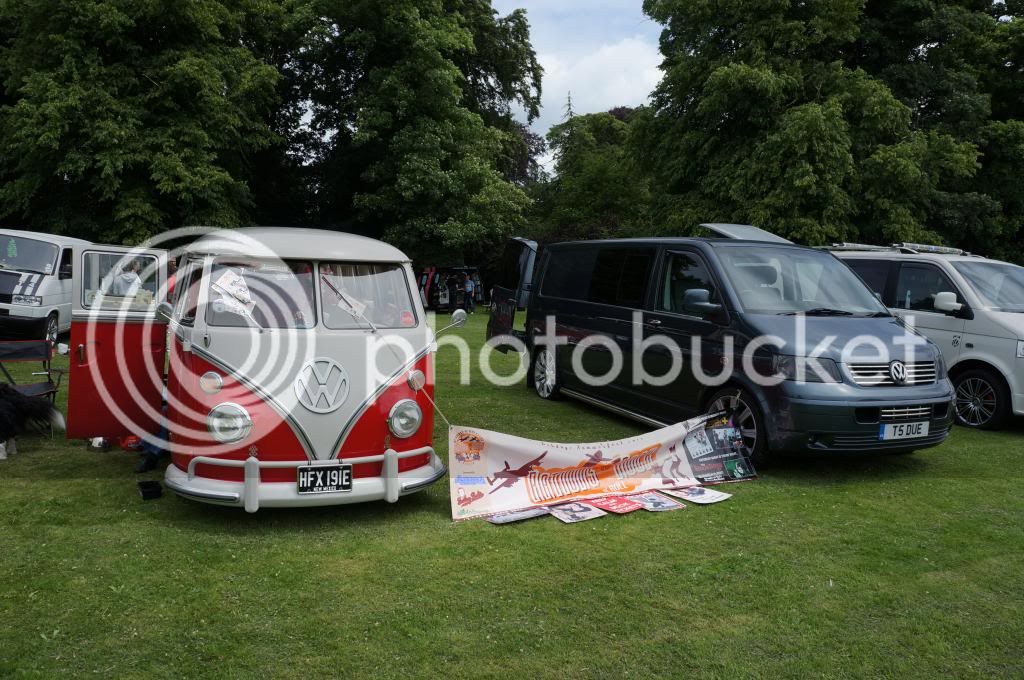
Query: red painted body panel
<point>130,380</point>
<point>272,435</point>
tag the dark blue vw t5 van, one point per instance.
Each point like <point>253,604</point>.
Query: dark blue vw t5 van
<point>663,329</point>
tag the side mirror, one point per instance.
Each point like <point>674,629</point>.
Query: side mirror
<point>697,302</point>
<point>946,302</point>
<point>64,272</point>
<point>164,311</point>
<point>459,318</point>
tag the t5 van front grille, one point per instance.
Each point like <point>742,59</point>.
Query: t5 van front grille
<point>877,374</point>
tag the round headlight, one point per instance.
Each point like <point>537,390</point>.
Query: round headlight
<point>405,418</point>
<point>211,382</point>
<point>229,423</point>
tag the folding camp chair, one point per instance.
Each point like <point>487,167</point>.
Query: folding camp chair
<point>32,350</point>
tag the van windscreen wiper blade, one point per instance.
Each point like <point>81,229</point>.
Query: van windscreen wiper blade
<point>820,311</point>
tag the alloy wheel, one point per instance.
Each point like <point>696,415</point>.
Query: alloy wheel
<point>51,329</point>
<point>544,376</point>
<point>976,401</point>
<point>744,417</point>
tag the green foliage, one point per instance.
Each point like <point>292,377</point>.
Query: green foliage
<point>597,190</point>
<point>764,116</point>
<point>126,117</point>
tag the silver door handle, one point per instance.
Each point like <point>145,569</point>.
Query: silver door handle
<point>653,322</point>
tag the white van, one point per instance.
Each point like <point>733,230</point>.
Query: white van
<point>970,306</point>
<point>35,284</point>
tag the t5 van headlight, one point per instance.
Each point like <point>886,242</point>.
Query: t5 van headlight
<point>31,300</point>
<point>806,369</point>
<point>229,423</point>
<point>405,418</point>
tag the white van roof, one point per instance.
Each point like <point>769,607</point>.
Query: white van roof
<point>49,238</point>
<point>296,243</point>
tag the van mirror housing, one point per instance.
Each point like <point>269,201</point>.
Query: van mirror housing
<point>64,272</point>
<point>697,302</point>
<point>164,311</point>
<point>946,302</point>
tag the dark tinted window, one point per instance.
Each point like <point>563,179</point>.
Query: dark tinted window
<point>568,273</point>
<point>874,272</point>
<point>620,277</point>
<point>683,272</point>
<point>918,285</point>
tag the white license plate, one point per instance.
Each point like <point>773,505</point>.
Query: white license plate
<point>324,478</point>
<point>892,431</point>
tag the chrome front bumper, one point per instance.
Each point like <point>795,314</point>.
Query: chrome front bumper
<point>252,494</point>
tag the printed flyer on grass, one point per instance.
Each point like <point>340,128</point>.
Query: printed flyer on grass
<point>492,472</point>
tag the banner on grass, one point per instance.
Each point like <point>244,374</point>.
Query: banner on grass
<point>491,472</point>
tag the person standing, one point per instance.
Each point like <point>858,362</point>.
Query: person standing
<point>469,304</point>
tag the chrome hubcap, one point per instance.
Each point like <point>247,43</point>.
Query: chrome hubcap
<point>51,330</point>
<point>975,402</point>
<point>743,415</point>
<point>544,373</point>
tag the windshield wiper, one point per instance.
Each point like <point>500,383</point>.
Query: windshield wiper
<point>820,311</point>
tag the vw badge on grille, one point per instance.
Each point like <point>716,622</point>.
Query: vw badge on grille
<point>898,372</point>
<point>322,385</point>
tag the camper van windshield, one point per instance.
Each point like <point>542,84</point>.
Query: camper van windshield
<point>365,295</point>
<point>998,284</point>
<point>261,293</point>
<point>796,281</point>
<point>27,254</point>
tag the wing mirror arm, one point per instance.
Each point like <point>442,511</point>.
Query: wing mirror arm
<point>459,317</point>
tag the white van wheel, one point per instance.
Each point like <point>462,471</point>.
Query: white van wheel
<point>981,399</point>
<point>51,329</point>
<point>545,374</point>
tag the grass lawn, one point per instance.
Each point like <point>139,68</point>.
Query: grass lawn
<point>894,566</point>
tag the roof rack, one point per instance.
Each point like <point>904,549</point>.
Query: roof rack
<point>906,248</point>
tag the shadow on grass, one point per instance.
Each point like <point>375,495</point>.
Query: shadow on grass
<point>814,468</point>
<point>218,518</point>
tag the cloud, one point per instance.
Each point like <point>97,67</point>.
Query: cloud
<point>620,74</point>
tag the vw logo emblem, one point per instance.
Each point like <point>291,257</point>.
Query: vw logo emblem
<point>898,372</point>
<point>322,385</point>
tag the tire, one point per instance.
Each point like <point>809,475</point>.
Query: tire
<point>750,420</point>
<point>544,374</point>
<point>981,399</point>
<point>51,329</point>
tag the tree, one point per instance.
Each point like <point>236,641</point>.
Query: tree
<point>597,190</point>
<point>128,117</point>
<point>758,119</point>
<point>412,102</point>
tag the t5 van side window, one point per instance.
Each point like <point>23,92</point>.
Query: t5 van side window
<point>620,276</point>
<point>568,273</point>
<point>918,284</point>
<point>683,272</point>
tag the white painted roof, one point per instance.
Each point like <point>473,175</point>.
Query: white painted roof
<point>42,236</point>
<point>296,243</point>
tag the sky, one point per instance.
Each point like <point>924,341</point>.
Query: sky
<point>604,51</point>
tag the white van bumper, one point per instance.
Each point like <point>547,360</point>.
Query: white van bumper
<point>252,494</point>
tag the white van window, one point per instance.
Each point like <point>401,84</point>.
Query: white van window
<point>116,281</point>
<point>1000,285</point>
<point>917,286</point>
<point>260,293</point>
<point>357,295</point>
<point>27,254</point>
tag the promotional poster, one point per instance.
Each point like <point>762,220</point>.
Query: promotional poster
<point>492,472</point>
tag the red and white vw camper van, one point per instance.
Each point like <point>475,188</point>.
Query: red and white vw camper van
<point>292,368</point>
